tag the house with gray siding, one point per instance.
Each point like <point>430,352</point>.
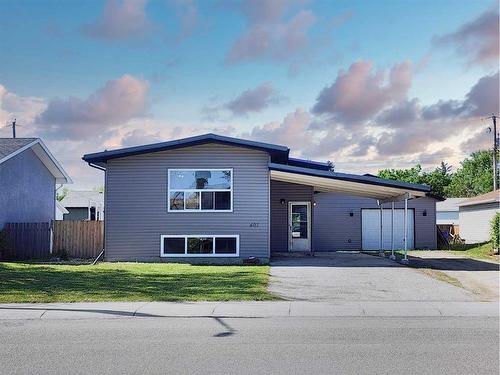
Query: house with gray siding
<point>217,199</point>
<point>29,177</point>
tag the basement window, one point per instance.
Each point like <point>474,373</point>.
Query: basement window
<point>200,246</point>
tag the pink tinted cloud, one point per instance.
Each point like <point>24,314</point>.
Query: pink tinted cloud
<point>478,39</point>
<point>293,131</point>
<point>120,20</point>
<point>270,34</point>
<point>360,92</point>
<point>118,101</point>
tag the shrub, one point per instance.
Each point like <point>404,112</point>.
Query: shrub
<point>495,231</point>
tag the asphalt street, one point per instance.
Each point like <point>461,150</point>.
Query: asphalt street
<point>278,345</point>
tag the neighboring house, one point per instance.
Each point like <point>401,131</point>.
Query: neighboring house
<point>447,215</point>
<point>212,198</point>
<point>60,211</point>
<point>475,216</point>
<point>29,174</point>
<point>83,205</point>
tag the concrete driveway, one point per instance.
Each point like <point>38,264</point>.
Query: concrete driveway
<point>356,277</point>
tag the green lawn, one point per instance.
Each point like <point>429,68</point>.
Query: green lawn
<point>31,282</point>
<point>478,251</point>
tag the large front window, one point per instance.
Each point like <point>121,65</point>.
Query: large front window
<point>200,190</point>
<point>200,246</point>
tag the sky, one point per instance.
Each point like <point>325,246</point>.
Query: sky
<point>364,84</point>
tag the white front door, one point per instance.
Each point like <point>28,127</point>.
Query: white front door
<point>299,224</point>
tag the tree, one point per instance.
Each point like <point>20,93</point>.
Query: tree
<point>474,177</point>
<point>60,195</point>
<point>438,179</point>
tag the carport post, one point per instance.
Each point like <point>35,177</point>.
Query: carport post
<point>405,259</point>
<point>392,257</point>
<point>381,249</point>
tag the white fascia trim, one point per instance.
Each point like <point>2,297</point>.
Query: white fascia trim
<point>213,255</point>
<point>67,179</point>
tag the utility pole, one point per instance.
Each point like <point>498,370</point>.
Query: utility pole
<point>13,126</point>
<point>495,152</point>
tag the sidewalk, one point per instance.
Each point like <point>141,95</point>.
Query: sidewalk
<point>105,310</point>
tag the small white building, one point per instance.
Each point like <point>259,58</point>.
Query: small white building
<point>83,205</point>
<point>475,216</point>
<point>447,211</point>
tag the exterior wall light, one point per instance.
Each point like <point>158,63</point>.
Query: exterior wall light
<point>424,213</point>
<point>351,213</point>
<point>314,203</point>
<point>282,201</point>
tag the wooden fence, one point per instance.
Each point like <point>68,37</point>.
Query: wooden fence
<point>79,239</point>
<point>25,241</point>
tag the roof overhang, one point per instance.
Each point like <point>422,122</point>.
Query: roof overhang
<point>45,156</point>
<point>99,160</point>
<point>364,186</point>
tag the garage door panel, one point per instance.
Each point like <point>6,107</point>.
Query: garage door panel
<point>370,231</point>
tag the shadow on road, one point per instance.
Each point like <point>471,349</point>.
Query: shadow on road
<point>453,264</point>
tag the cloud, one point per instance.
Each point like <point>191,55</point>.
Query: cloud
<point>254,100</point>
<point>118,101</point>
<point>481,100</point>
<point>23,108</point>
<point>434,158</point>
<point>477,40</point>
<point>120,20</point>
<point>270,34</point>
<point>249,101</point>
<point>360,92</point>
<point>480,140</point>
<point>186,12</point>
<point>293,131</point>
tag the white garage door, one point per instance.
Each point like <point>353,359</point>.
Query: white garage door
<point>370,229</point>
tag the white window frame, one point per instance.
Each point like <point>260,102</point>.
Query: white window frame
<point>212,236</point>
<point>199,210</point>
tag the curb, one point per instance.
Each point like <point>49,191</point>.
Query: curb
<point>282,309</point>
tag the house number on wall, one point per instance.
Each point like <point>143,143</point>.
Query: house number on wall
<point>254,225</point>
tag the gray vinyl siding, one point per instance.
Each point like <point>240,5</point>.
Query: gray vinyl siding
<point>334,229</point>
<point>475,221</point>
<point>136,202</point>
<point>279,213</point>
<point>27,190</point>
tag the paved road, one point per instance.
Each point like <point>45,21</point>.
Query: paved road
<point>338,345</point>
<point>357,277</point>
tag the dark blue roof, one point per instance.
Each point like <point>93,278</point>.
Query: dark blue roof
<point>278,153</point>
<point>308,164</point>
<point>348,177</point>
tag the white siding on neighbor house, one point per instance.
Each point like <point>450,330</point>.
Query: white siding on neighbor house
<point>136,202</point>
<point>447,217</point>
<point>475,221</point>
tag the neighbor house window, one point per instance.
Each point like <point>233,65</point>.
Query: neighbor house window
<point>200,246</point>
<point>200,190</point>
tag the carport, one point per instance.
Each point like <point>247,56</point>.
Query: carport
<point>386,192</point>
